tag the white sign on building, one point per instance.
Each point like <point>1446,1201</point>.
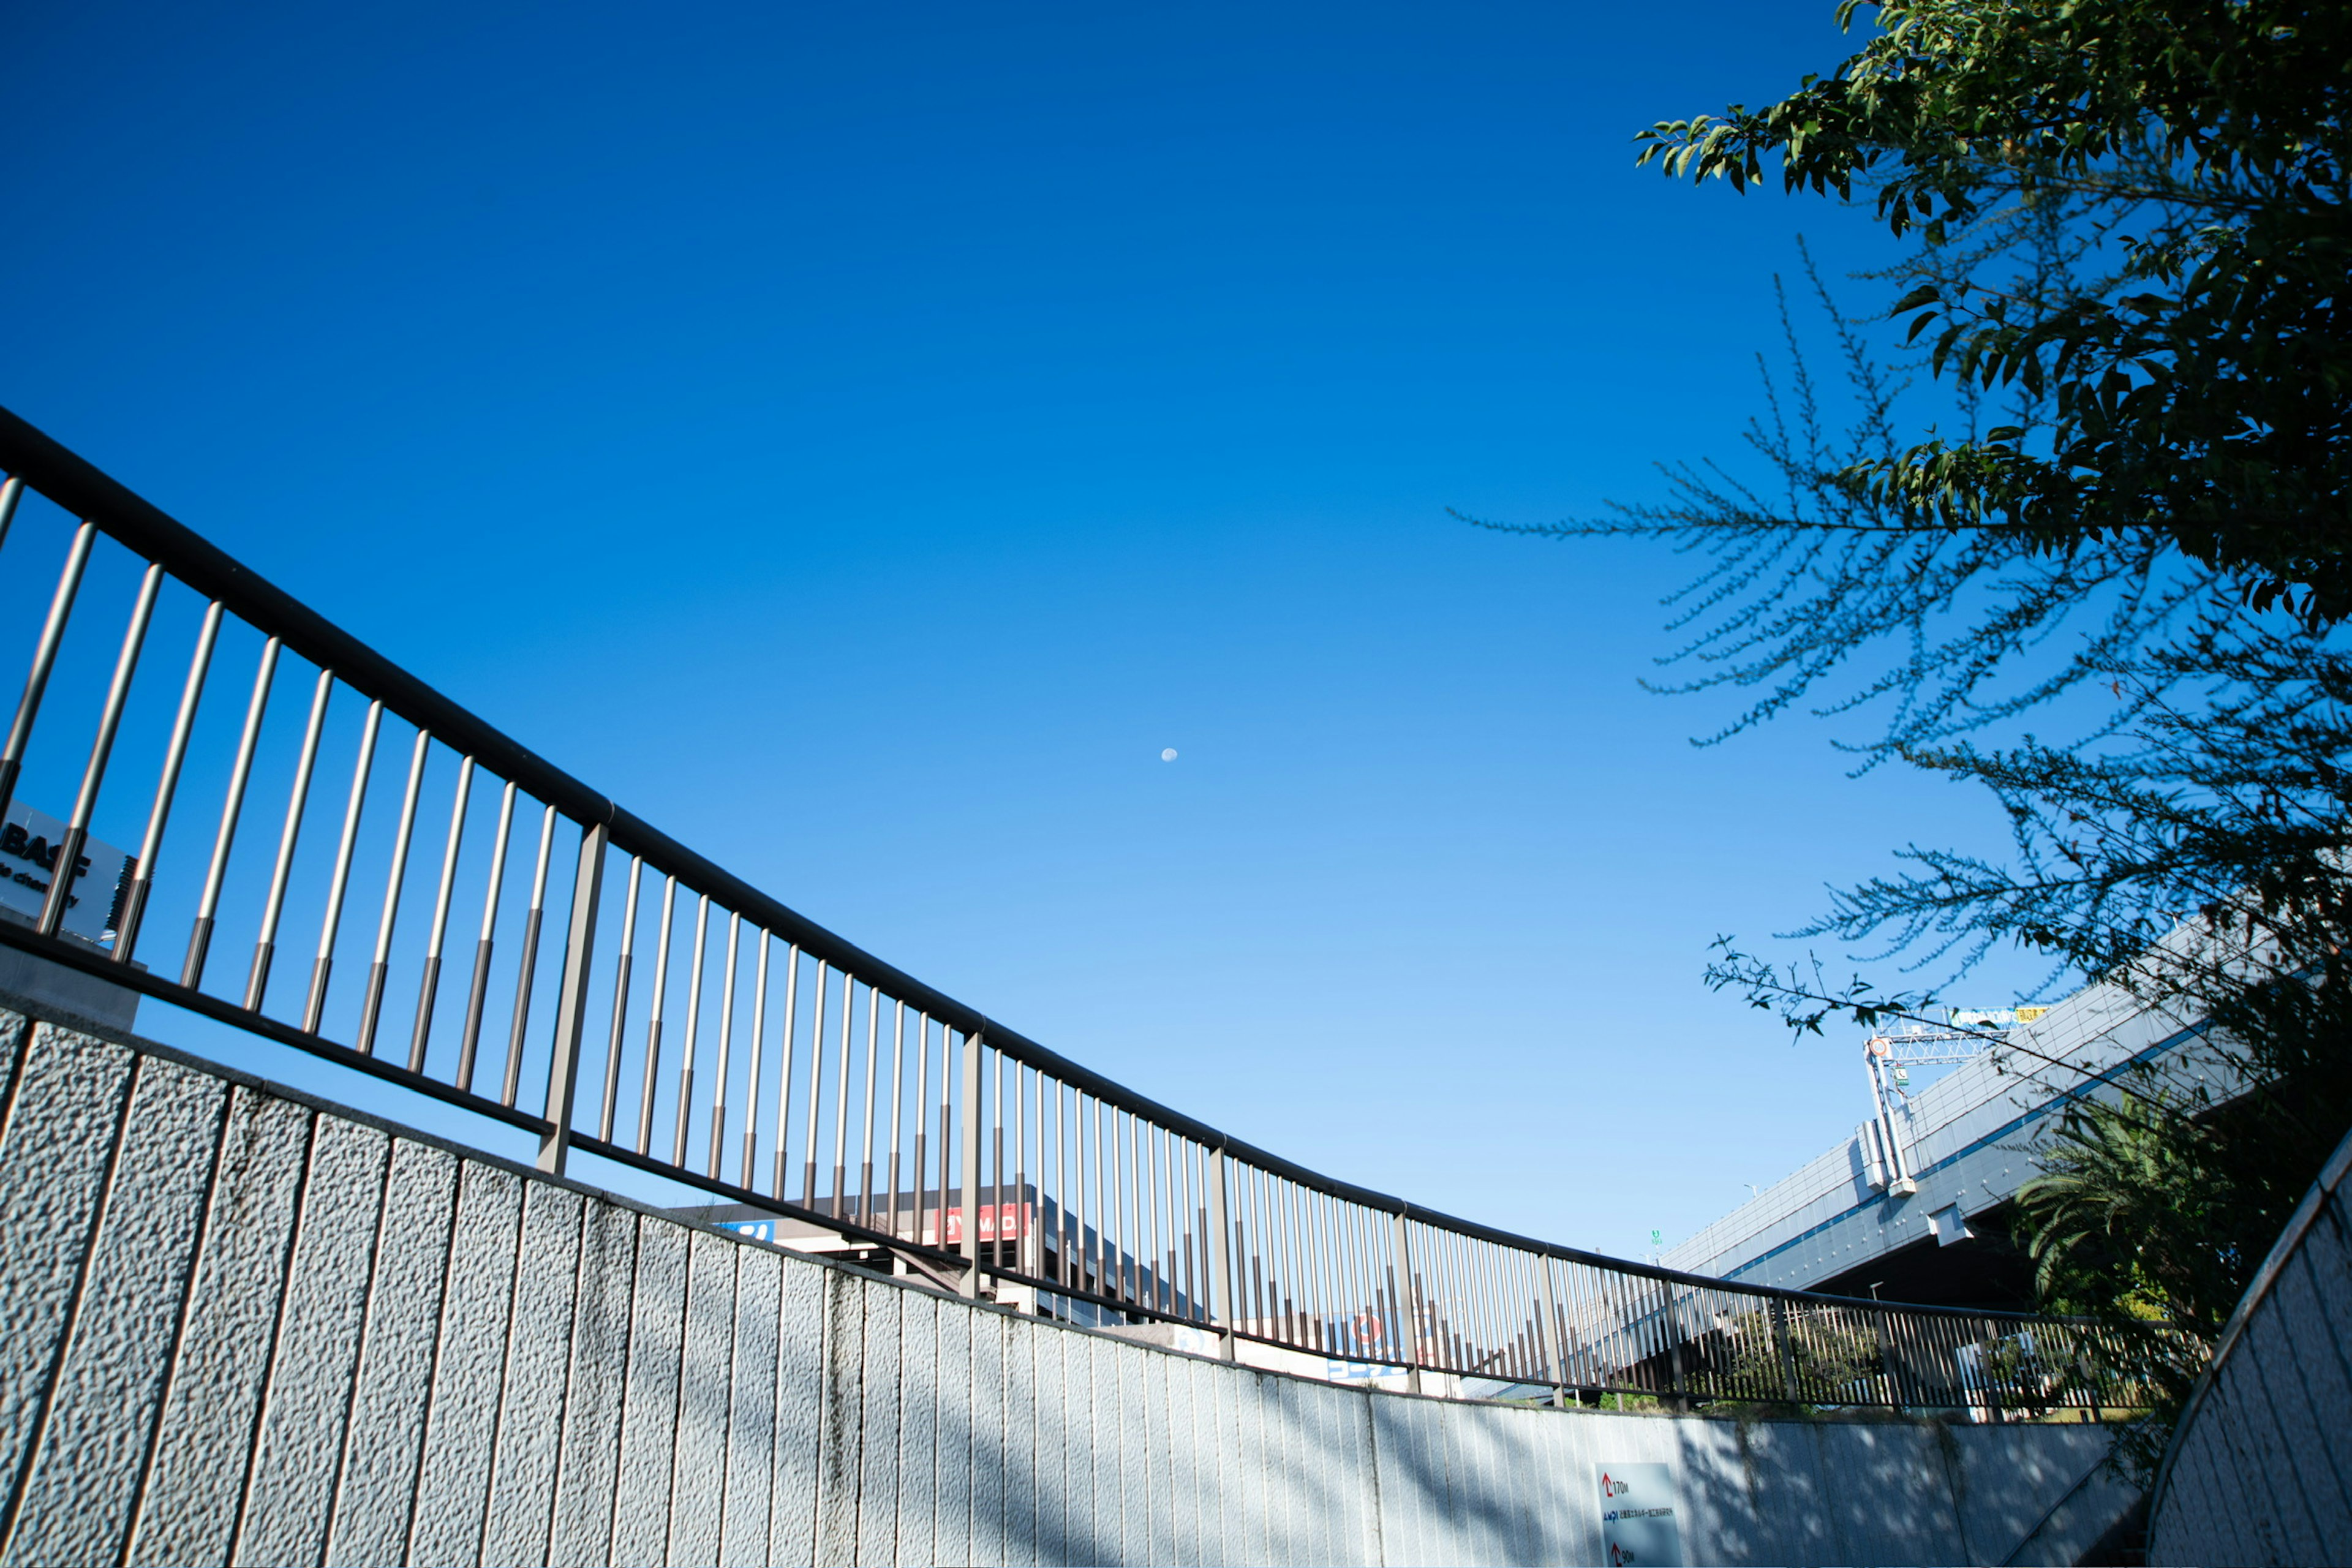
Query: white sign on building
<point>29,844</point>
<point>1638,1524</point>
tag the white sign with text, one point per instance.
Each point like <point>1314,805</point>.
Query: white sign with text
<point>29,843</point>
<point>1638,1522</point>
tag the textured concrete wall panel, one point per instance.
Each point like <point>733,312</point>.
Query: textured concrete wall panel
<point>986,1380</point>
<point>2005,1486</point>
<point>1017,1438</point>
<point>1398,1477</point>
<point>649,1399</point>
<point>993,1489</point>
<point>800,1401</point>
<point>385,1431</point>
<point>919,1371</point>
<point>92,1449</point>
<point>1556,1477</point>
<point>195,1479</point>
<point>839,1443</point>
<point>1103,1413</point>
<point>298,1447</point>
<point>2299,1369</point>
<point>453,1482</point>
<point>1075,1472</point>
<point>1236,1520</point>
<point>1304,1526</point>
<point>1724,1479</point>
<point>1044,1461</point>
<point>705,1392</point>
<point>1254,1500</point>
<point>581,1531</point>
<point>1345,1431</point>
<point>952,1450</point>
<point>1300,1530</point>
<point>1128,1454</point>
<point>1016,1451</point>
<point>752,1407</point>
<point>538,1374</point>
<point>1403,1480</point>
<point>1175,1442</point>
<point>879,1438</point>
<point>67,1104</point>
<point>13,1030</point>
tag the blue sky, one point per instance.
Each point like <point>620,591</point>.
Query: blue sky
<point>861,439</point>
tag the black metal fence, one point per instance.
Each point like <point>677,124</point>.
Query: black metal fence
<point>490,930</point>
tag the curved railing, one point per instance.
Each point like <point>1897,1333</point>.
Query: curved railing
<point>623,995</point>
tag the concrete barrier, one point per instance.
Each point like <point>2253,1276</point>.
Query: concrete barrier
<point>239,1325</point>
<point>2260,1469</point>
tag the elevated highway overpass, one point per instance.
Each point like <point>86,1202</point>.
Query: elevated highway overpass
<point>1841,1222</point>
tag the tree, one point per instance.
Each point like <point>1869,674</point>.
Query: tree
<point>2190,333</point>
<point>2129,233</point>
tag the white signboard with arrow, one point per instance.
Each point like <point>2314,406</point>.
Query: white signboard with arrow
<point>1638,1524</point>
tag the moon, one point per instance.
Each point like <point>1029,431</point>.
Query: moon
<point>1169,755</point>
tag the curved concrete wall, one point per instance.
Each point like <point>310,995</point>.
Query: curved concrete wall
<point>237,1325</point>
<point>2260,1467</point>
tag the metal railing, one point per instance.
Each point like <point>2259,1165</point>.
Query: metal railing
<point>623,995</point>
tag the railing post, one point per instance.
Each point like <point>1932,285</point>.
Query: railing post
<point>1221,1253</point>
<point>970,1201</point>
<point>1785,1350</point>
<point>1554,1350</point>
<point>1408,1293</point>
<point>1674,1325</point>
<point>1878,1318</point>
<point>1989,1369</point>
<point>572,1003</point>
<point>45,658</point>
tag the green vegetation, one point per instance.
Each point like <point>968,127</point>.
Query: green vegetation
<point>2129,254</point>
<point>2131,210</point>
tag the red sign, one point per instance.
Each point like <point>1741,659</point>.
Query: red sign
<point>998,1222</point>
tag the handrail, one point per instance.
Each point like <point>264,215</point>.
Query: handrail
<point>1295,1255</point>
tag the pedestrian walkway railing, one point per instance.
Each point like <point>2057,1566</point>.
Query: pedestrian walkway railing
<point>240,773</point>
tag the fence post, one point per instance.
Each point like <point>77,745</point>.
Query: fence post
<point>969,1117</point>
<point>1674,1324</point>
<point>1989,1369</point>
<point>571,1003</point>
<point>1408,1302</point>
<point>1783,1349</point>
<point>1221,1253</point>
<point>1554,1351</point>
<point>1878,1319</point>
<point>44,656</point>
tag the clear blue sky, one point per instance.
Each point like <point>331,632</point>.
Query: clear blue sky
<point>860,438</point>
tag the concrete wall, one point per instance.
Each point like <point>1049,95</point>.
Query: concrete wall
<point>239,1326</point>
<point>2261,1466</point>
